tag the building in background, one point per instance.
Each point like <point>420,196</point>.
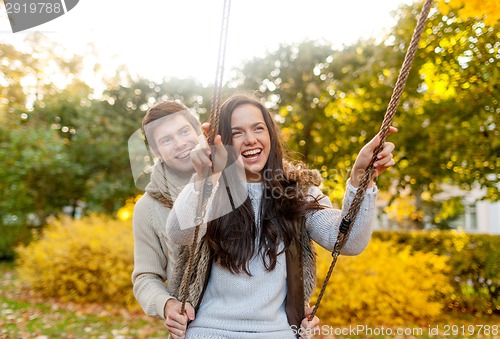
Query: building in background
<point>478,216</point>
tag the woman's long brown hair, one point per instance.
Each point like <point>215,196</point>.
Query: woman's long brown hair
<point>233,237</point>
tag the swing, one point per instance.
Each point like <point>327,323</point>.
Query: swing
<point>349,218</point>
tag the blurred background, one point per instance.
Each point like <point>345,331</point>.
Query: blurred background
<point>72,92</point>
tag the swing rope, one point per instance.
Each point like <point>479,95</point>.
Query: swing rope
<point>350,217</point>
<point>206,181</point>
<point>215,109</point>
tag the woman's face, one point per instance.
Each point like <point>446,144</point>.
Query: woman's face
<point>175,137</point>
<point>251,140</point>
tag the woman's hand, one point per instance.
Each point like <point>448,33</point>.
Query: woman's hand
<point>175,322</point>
<point>203,164</point>
<point>384,159</point>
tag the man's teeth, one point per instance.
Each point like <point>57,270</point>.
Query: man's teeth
<point>251,152</point>
<point>183,155</point>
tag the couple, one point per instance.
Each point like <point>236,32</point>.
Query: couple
<point>258,271</point>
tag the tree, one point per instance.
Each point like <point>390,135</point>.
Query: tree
<point>106,126</point>
<point>331,102</point>
<point>62,146</point>
<point>34,174</point>
<point>453,126</point>
<point>14,65</point>
<point>487,10</point>
<point>96,132</point>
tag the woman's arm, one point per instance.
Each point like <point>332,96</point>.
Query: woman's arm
<point>323,225</point>
<point>181,221</point>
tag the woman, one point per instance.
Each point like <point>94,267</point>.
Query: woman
<point>261,268</point>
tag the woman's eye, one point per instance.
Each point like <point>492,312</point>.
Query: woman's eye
<point>185,131</point>
<point>236,133</point>
<point>165,141</point>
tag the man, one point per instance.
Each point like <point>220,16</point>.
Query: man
<point>171,131</point>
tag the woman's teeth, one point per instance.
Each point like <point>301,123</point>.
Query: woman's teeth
<point>251,152</point>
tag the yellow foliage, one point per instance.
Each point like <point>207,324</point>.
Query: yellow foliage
<point>489,9</point>
<point>403,211</point>
<point>383,286</point>
<point>90,260</point>
<point>439,85</point>
<point>126,211</point>
<point>331,187</point>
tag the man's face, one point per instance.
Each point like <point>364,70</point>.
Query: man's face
<point>175,137</point>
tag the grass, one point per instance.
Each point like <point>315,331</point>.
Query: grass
<point>23,315</point>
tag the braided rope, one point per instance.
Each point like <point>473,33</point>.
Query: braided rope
<point>200,214</point>
<point>350,217</point>
<point>206,181</point>
<point>184,288</point>
<point>216,102</point>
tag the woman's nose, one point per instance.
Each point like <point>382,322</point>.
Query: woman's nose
<point>250,139</point>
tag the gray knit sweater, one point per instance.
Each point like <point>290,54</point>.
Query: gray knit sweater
<point>241,306</point>
<point>154,256</point>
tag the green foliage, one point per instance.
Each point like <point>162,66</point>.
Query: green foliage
<point>331,102</point>
<point>34,174</point>
<point>12,236</point>
<point>449,211</point>
<point>62,146</point>
<point>474,260</point>
<point>102,130</point>
<point>451,133</point>
<point>328,101</point>
<point>86,260</point>
<point>383,285</point>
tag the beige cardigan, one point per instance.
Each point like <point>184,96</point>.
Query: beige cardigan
<point>154,256</point>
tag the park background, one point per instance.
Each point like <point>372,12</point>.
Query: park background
<point>66,241</point>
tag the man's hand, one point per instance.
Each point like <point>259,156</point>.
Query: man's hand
<point>176,322</point>
<point>307,327</point>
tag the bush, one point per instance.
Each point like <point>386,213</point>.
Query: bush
<point>86,260</point>
<point>383,285</point>
<point>474,260</point>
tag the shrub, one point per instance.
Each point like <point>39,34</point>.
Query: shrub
<point>86,260</point>
<point>383,285</point>
<point>474,260</point>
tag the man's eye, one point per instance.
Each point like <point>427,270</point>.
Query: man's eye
<point>165,141</point>
<point>185,131</point>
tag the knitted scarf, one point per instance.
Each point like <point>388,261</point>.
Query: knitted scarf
<point>165,185</point>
